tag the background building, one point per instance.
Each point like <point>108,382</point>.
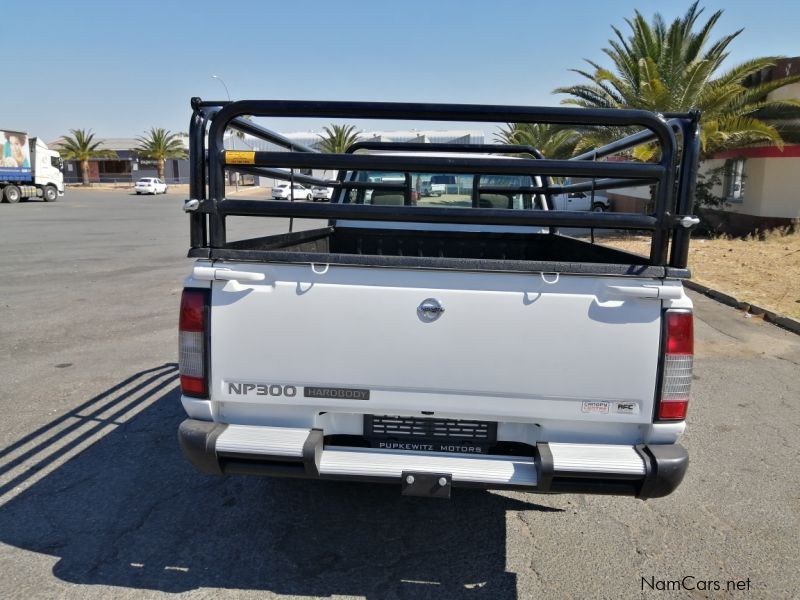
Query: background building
<point>760,185</point>
<point>127,166</point>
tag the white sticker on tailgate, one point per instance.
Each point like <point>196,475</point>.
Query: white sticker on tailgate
<point>595,406</point>
<point>627,408</point>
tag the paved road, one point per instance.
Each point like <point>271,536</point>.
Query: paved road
<point>96,501</point>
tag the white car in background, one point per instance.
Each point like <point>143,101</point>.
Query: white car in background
<point>150,185</point>
<point>321,193</point>
<point>283,191</point>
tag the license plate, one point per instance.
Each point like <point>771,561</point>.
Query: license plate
<point>429,434</point>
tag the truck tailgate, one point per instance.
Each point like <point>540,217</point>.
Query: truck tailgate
<point>538,346</point>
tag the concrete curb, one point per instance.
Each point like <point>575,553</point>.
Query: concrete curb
<point>783,321</point>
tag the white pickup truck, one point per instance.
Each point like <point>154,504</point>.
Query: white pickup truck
<point>436,343</point>
<point>582,201</point>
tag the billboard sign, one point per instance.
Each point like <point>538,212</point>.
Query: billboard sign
<point>15,156</point>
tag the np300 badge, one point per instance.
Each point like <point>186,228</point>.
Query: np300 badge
<point>258,389</point>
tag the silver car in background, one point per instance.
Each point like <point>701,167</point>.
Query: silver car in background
<point>322,194</point>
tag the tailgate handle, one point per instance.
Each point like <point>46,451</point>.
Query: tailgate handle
<point>214,274</point>
<point>656,292</point>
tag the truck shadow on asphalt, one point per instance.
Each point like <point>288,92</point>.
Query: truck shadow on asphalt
<point>129,511</point>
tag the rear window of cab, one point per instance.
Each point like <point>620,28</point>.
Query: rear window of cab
<point>459,190</point>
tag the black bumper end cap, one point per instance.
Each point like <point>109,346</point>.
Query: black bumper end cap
<point>198,440</point>
<point>666,465</point>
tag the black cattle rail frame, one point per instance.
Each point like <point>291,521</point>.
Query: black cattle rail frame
<point>673,175</point>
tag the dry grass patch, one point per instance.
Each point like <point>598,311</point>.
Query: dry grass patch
<point>765,272</point>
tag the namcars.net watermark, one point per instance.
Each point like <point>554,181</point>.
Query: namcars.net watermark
<point>690,583</point>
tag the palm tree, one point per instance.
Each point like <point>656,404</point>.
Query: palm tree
<point>81,147</point>
<point>338,138</point>
<point>677,68</point>
<point>240,135</point>
<point>553,141</point>
<point>160,144</point>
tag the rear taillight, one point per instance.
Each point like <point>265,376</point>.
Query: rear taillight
<point>678,358</point>
<point>192,342</point>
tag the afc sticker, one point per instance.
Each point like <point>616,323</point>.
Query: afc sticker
<point>627,408</point>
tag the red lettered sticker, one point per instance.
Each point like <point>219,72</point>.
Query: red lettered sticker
<point>595,406</point>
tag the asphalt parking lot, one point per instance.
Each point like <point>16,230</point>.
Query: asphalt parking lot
<point>97,502</point>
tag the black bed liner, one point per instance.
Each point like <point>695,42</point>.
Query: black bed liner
<point>441,250</point>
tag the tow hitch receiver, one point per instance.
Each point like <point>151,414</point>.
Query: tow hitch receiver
<point>429,485</point>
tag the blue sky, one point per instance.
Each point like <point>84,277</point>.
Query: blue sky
<point>122,67</point>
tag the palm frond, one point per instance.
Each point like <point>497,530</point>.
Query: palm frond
<point>338,138</point>
<point>80,145</point>
<point>160,144</point>
<point>677,66</point>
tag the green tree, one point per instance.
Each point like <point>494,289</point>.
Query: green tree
<point>553,141</point>
<point>159,144</point>
<point>338,138</point>
<point>80,146</point>
<point>678,67</point>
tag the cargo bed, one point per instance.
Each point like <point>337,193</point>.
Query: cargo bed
<point>461,250</point>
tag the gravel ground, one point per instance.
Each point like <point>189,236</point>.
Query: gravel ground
<point>764,272</point>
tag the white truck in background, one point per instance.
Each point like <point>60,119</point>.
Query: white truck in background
<point>436,343</point>
<point>28,169</point>
<point>437,185</point>
<point>582,201</point>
